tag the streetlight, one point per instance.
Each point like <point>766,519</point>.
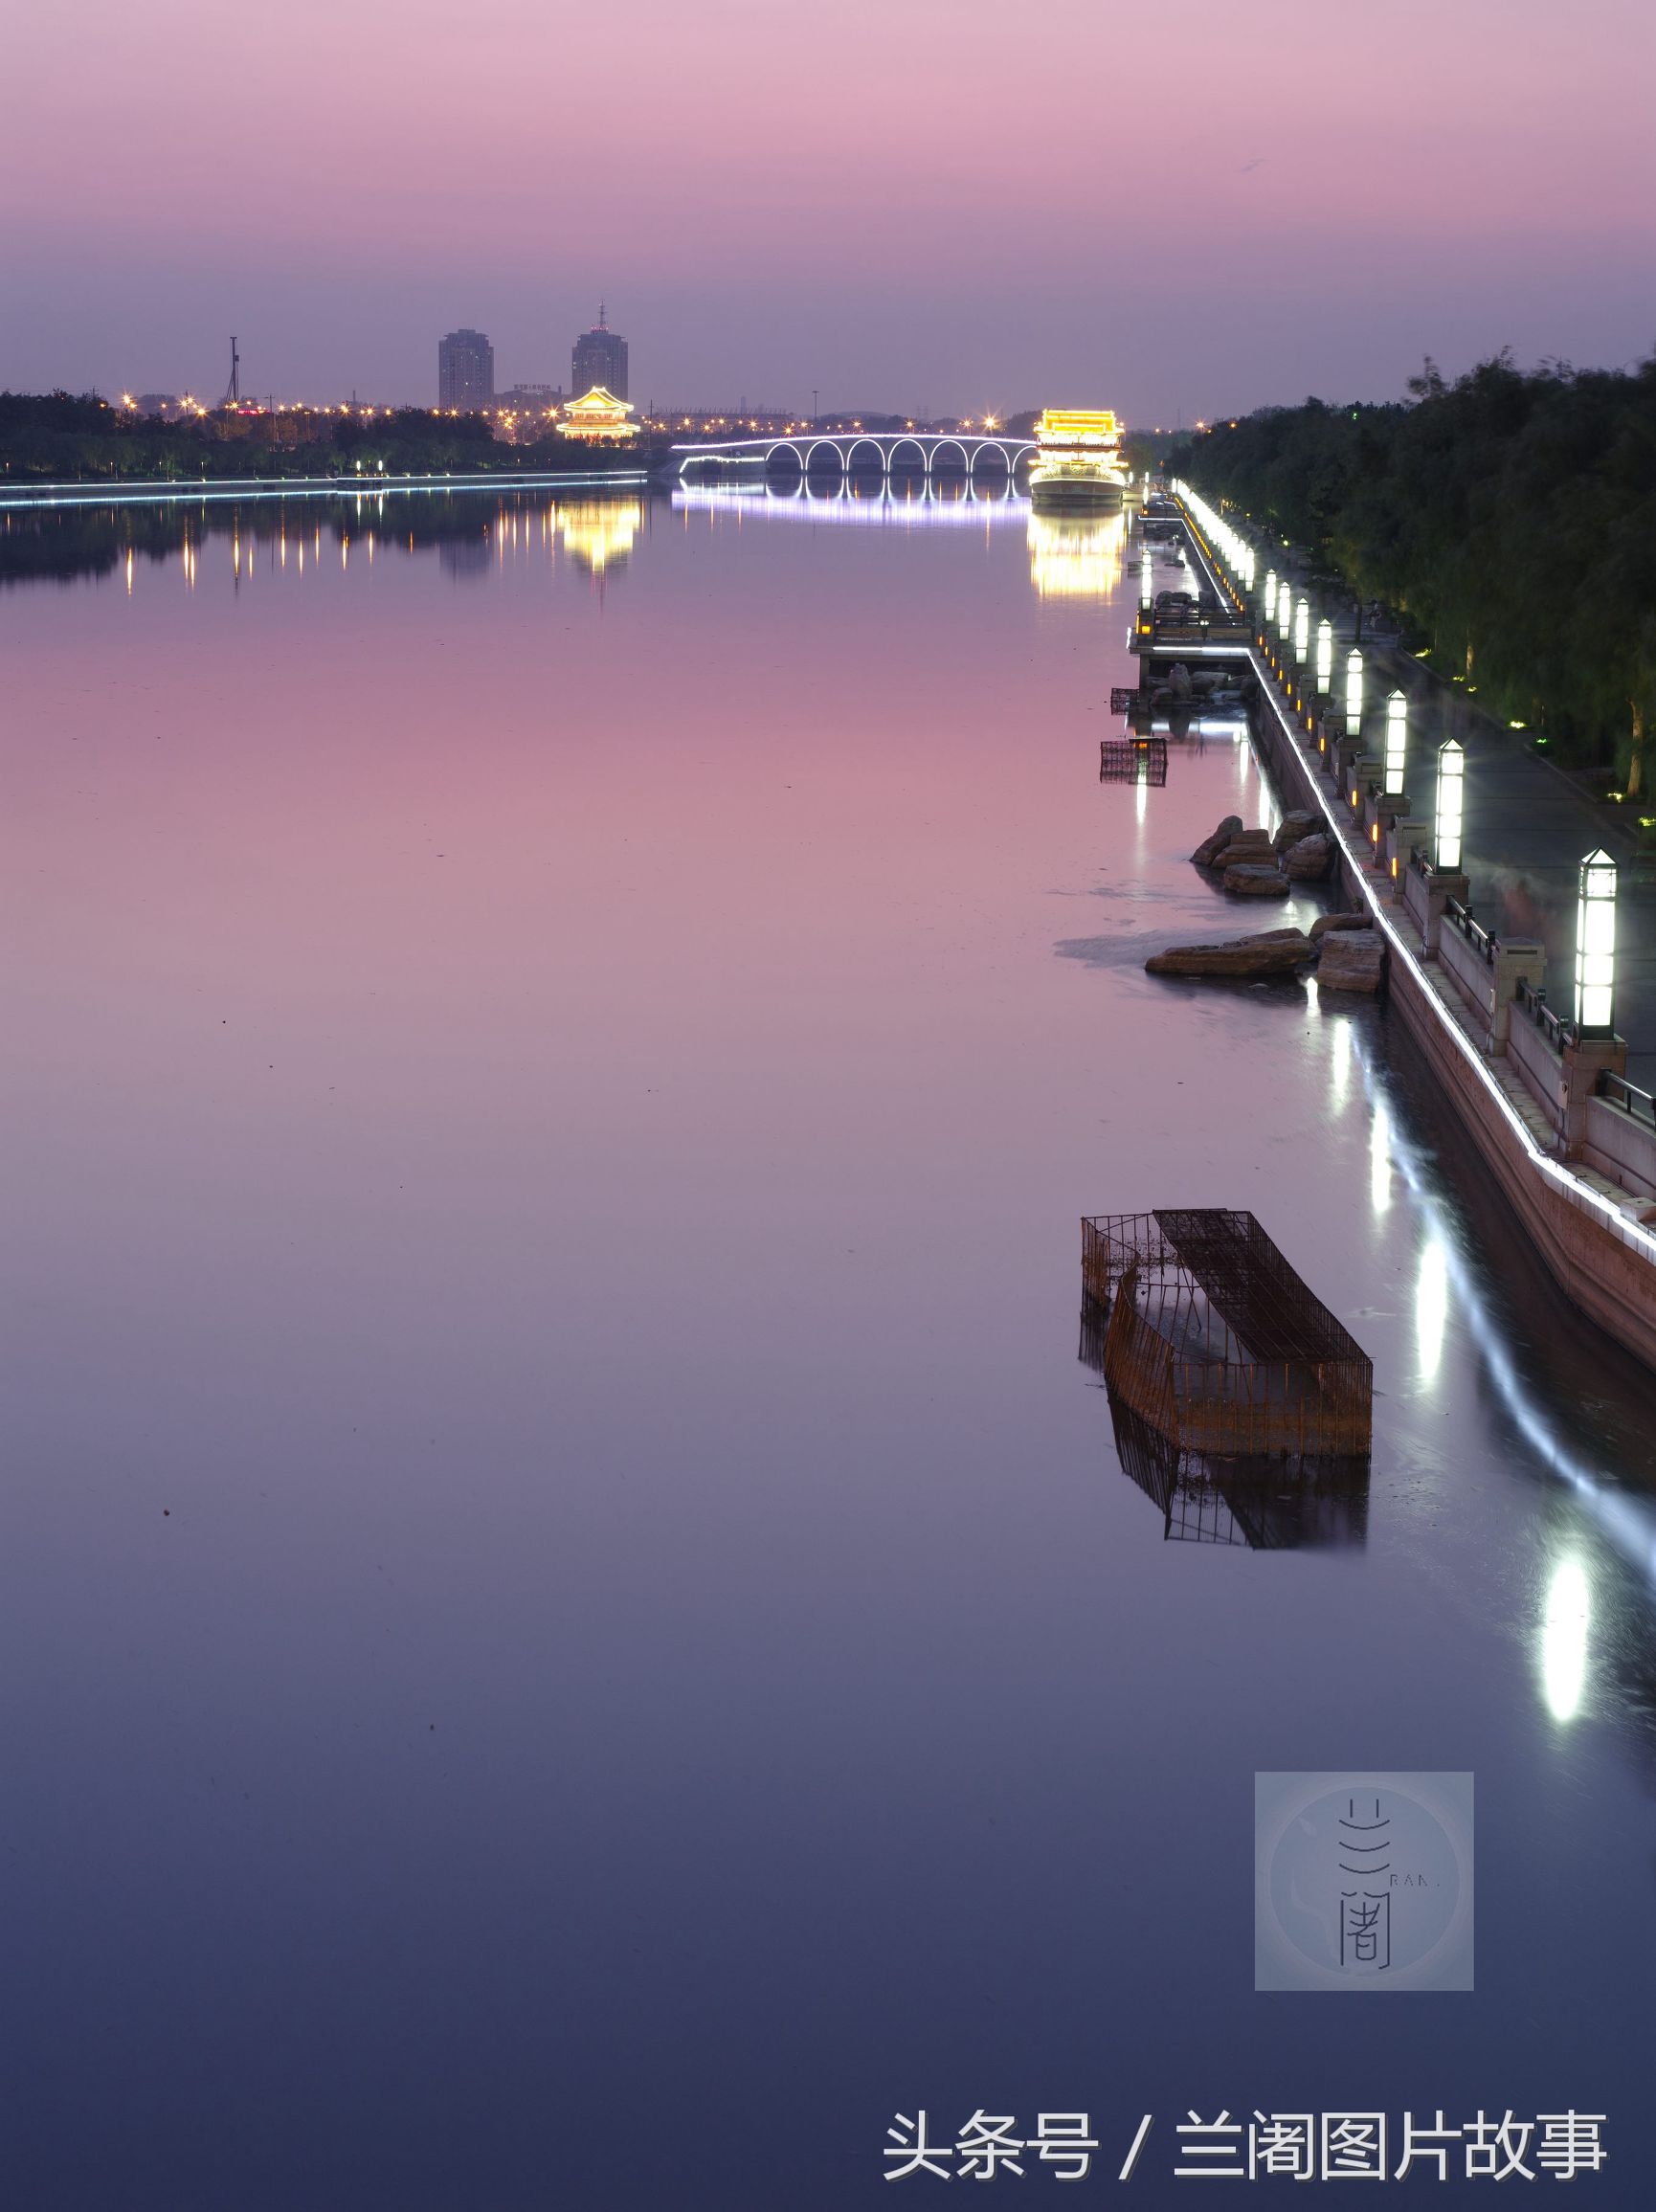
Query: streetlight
<point>1303,632</point>
<point>1325,656</point>
<point>1270,597</point>
<point>1396,743</point>
<point>1285,612</point>
<point>1596,946</point>
<point>1451,799</point>
<point>1354,692</point>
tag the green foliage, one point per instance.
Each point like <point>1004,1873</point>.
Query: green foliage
<point>1510,516</point>
<point>59,438</point>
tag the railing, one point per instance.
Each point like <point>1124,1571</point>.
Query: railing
<point>1418,861</point>
<point>1557,1032</point>
<point>1474,932</point>
<point>1627,1096</point>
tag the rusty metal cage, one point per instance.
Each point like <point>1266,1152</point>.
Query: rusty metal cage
<point>1132,760</point>
<point>1216,1342</point>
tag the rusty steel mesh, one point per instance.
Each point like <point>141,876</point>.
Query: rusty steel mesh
<point>1214,1339</point>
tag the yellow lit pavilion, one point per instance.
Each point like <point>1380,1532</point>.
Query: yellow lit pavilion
<point>597,415</point>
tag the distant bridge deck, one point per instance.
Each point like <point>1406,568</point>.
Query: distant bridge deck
<point>883,450</point>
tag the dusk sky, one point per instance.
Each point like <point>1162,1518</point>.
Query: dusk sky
<point>908,205</point>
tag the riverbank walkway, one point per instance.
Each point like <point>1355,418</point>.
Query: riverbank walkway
<point>1548,1108</point>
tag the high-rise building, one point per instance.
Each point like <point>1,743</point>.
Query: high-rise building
<point>465,371</point>
<point>600,358</point>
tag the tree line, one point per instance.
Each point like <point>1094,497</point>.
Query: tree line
<point>61,437</point>
<point>1510,517</point>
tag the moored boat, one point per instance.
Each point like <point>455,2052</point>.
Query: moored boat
<point>1078,462</point>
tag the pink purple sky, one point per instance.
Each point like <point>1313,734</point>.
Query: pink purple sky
<point>907,205</point>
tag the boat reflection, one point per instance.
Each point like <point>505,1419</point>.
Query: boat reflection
<point>1076,556</point>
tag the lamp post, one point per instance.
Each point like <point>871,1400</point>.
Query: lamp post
<point>1270,597</point>
<point>1285,612</point>
<point>1325,656</point>
<point>1452,796</point>
<point>1396,743</point>
<point>1596,946</point>
<point>1303,632</point>
<point>1354,692</point>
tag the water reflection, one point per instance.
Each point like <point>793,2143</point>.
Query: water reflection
<point>1432,1306</point>
<point>598,534</point>
<point>1076,556</point>
<point>960,507</point>
<point>469,531</point>
<point>1564,1639</point>
<point>1253,1502</point>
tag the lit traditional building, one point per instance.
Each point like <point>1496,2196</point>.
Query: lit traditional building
<point>599,416</point>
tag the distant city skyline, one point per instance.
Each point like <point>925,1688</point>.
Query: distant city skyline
<point>1310,202</point>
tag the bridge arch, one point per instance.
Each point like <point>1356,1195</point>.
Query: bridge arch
<point>942,445</point>
<point>819,445</point>
<point>895,446</point>
<point>873,445</point>
<point>789,446</point>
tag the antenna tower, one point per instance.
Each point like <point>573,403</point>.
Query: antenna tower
<point>233,397</point>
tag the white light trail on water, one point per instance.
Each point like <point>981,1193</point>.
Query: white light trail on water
<point>1628,1522</point>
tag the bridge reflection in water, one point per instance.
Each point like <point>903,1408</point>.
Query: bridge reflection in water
<point>1070,556</point>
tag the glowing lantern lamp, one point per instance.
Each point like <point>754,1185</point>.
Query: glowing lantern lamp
<point>1285,612</point>
<point>1270,596</point>
<point>1303,632</point>
<point>1325,656</point>
<point>1596,946</point>
<point>1452,796</point>
<point>1354,692</point>
<point>1396,743</point>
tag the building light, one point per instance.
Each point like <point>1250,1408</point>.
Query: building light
<point>1325,656</point>
<point>1452,796</point>
<point>1596,946</point>
<point>1354,692</point>
<point>1396,743</point>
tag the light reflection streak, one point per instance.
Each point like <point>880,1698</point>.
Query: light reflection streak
<point>1627,1521</point>
<point>1564,1639</point>
<point>1379,1160</point>
<point>1340,1065</point>
<point>1432,1306</point>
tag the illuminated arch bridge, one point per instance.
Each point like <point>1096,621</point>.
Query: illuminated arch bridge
<point>887,452</point>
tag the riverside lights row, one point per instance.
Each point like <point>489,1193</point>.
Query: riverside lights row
<point>1595,899</point>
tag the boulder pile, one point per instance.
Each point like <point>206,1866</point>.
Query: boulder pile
<point>1298,851</point>
<point>1347,954</point>
<point>1345,958</point>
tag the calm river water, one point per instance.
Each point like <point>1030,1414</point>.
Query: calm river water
<point>573,1630</point>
